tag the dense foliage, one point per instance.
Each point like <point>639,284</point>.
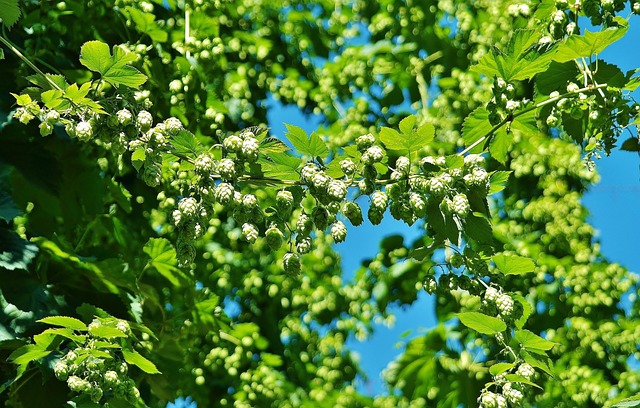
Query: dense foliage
<point>142,194</point>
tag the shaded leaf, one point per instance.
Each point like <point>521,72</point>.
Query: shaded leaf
<point>15,252</point>
<point>185,143</point>
<point>632,144</point>
<point>146,24</point>
<point>8,208</point>
<point>9,12</point>
<point>163,259</point>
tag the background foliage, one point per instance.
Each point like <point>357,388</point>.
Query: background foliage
<point>107,297</point>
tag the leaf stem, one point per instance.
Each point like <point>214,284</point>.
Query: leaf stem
<point>28,61</point>
<point>527,110</point>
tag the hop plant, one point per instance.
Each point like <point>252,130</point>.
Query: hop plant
<point>204,164</point>
<point>429,284</point>
<point>284,201</point>
<point>144,120</point>
<point>320,180</point>
<point>320,217</point>
<point>233,144</point>
<point>291,263</point>
<point>84,131</point>
<point>188,206</point>
<point>353,212</point>
<point>52,117</point>
<point>512,394</point>
<point>364,142</point>
<point>403,165</point>
<point>303,244</point>
<point>78,384</point>
<point>366,186</point>
<point>375,216</point>
<point>436,186</point>
<point>505,304</point>
<point>460,205</point>
<point>338,231</point>
<point>173,125</point>
<point>372,155</point>
<point>379,201</point>
<point>227,169</point>
<point>304,224</point>
<point>274,237</point>
<point>491,294</point>
<point>224,193</point>
<point>526,370</point>
<point>249,232</point>
<point>348,167</point>
<point>492,400</point>
<point>250,150</point>
<point>336,190</point>
<point>418,204</point>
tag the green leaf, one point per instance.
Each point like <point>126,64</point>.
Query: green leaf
<point>478,228</point>
<point>135,358</point>
<point>146,24</point>
<point>412,142</point>
<point>406,124</point>
<point>536,362</point>
<point>9,12</point>
<point>106,332</point>
<point>282,166</point>
<point>482,323</point>
<point>522,380</point>
<point>500,146</point>
<point>114,69</point>
<point>526,310</point>
<point>185,143</point>
<point>53,99</point>
<point>532,342</point>
<point>632,144</point>
<point>15,252</point>
<point>522,59</point>
<point>65,321</point>
<point>26,354</point>
<point>513,264</point>
<point>500,368</point>
<point>628,402</point>
<point>163,259</point>
<point>556,77</point>
<point>67,333</point>
<point>309,145</point>
<point>476,126</point>
<point>578,46</point>
<point>497,181</point>
<point>8,208</point>
<point>271,360</point>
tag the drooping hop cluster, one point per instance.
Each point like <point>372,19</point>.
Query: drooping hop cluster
<point>502,305</point>
<point>87,369</point>
<point>490,399</point>
<point>504,102</point>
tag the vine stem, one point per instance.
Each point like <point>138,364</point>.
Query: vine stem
<point>527,110</point>
<point>28,62</point>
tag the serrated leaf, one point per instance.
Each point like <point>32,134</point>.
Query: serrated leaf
<point>53,99</point>
<point>578,46</point>
<point>106,332</point>
<point>412,142</point>
<point>15,252</point>
<point>532,342</point>
<point>135,358</point>
<point>270,145</point>
<point>522,59</point>
<point>391,138</point>
<point>482,323</point>
<point>513,264</point>
<point>500,146</point>
<point>114,68</point>
<point>536,362</point>
<point>67,333</point>
<point>146,24</point>
<point>312,145</point>
<point>26,354</point>
<point>406,124</point>
<point>185,143</point>
<point>65,321</point>
<point>526,310</point>
<point>497,181</point>
<point>163,259</point>
<point>556,77</point>
<point>476,126</point>
<point>500,368</point>
<point>479,228</point>
<point>9,12</point>
<point>282,166</point>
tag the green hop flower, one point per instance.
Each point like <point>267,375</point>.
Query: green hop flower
<point>291,263</point>
<point>456,260</point>
<point>188,206</point>
<point>232,144</point>
<point>144,120</point>
<point>374,154</point>
<point>505,304</point>
<point>379,201</point>
<point>429,284</point>
<point>491,294</point>
<point>227,169</point>
<point>348,167</point>
<point>526,370</point>
<point>320,217</point>
<point>336,190</point>
<point>303,244</point>
<point>84,131</point>
<point>250,150</point>
<point>61,370</point>
<point>204,164</point>
<point>304,224</point>
<point>366,186</point>
<point>403,165</point>
<point>78,384</point>
<point>375,216</point>
<point>45,129</point>
<point>224,193</point>
<point>249,232</point>
<point>52,117</point>
<point>436,186</point>
<point>338,231</point>
<point>320,180</point>
<point>353,212</point>
<point>365,141</point>
<point>185,252</point>
<point>460,205</point>
<point>173,126</point>
<point>512,394</point>
<point>274,237</point>
<point>369,172</point>
<point>307,173</point>
<point>124,117</point>
<point>418,204</point>
<point>284,202</point>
